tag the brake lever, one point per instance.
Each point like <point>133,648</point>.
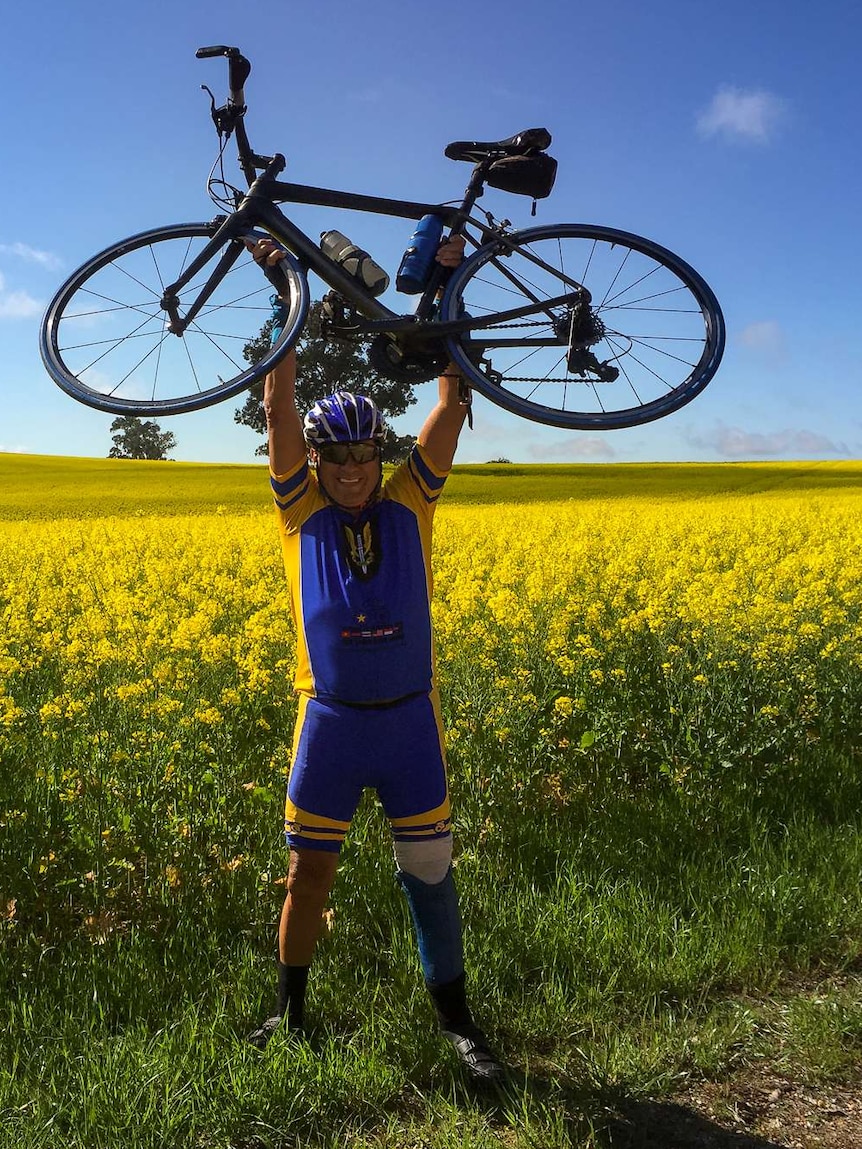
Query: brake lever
<point>225,117</point>
<point>204,88</point>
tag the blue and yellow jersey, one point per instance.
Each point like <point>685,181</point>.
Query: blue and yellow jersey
<point>361,587</point>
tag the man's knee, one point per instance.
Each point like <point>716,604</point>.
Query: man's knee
<point>311,872</point>
<point>429,860</point>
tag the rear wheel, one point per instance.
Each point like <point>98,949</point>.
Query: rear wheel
<point>643,340</point>
<point>106,339</point>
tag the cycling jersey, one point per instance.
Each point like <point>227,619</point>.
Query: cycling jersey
<point>361,585</point>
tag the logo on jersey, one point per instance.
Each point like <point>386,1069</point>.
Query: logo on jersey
<point>372,633</point>
<point>363,548</point>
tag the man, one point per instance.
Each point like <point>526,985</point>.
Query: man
<point>357,557</point>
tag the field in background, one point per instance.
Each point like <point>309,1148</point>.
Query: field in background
<point>50,487</point>
<point>651,677</point>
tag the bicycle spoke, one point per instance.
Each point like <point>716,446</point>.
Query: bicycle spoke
<point>216,345</point>
<point>139,363</point>
<point>192,367</point>
<point>612,284</point>
<point>625,373</point>
<point>114,345</point>
<point>609,300</point>
<point>661,351</point>
<point>156,370</point>
<point>118,307</point>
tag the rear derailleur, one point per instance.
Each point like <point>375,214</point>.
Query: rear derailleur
<point>580,328</point>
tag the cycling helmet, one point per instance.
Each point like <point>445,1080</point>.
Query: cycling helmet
<point>344,418</point>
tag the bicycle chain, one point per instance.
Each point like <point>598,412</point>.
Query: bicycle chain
<point>500,326</point>
<point>542,379</point>
<point>533,378</point>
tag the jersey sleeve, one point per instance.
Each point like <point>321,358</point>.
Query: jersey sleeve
<point>417,483</point>
<point>296,495</point>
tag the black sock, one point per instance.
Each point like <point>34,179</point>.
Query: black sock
<point>450,1002</point>
<point>292,980</point>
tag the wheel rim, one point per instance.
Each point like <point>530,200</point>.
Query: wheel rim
<point>652,319</point>
<point>106,339</point>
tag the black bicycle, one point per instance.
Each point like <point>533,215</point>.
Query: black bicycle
<point>571,325</point>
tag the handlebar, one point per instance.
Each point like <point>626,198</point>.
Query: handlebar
<point>229,119</point>
<point>239,69</point>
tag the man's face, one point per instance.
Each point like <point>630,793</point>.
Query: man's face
<point>349,482</point>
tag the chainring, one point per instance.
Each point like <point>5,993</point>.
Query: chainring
<point>404,365</point>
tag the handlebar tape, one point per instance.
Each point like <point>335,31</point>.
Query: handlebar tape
<point>216,50</point>
<point>239,68</point>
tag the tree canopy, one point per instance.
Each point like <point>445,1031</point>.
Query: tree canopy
<point>324,365</point>
<point>135,439</point>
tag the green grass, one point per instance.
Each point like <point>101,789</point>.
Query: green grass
<point>45,487</point>
<point>627,932</point>
<point>614,952</point>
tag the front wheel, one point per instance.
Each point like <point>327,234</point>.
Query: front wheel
<point>633,333</point>
<point>106,339</point>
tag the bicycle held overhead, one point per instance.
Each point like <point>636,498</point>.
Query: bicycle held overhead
<point>573,325</point>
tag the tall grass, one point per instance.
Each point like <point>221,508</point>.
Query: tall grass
<point>652,690</point>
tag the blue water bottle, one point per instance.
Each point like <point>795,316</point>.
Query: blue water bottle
<point>419,257</point>
<point>279,318</point>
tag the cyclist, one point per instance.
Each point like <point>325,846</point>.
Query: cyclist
<point>357,557</point>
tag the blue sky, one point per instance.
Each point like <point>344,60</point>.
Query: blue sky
<point>726,133</point>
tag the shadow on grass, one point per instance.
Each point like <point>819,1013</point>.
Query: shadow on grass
<point>663,1125</point>
<point>604,1119</point>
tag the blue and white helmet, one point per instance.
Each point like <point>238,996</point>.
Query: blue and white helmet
<point>344,418</point>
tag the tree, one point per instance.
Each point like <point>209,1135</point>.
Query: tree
<point>324,365</point>
<point>136,440</point>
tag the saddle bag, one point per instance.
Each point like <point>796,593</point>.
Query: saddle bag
<point>524,175</point>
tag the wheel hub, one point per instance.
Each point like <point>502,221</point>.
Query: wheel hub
<point>579,327</point>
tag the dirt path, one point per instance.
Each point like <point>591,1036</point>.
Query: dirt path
<point>750,1110</point>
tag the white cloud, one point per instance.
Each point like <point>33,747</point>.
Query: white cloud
<point>23,251</point>
<point>17,304</point>
<point>737,443</point>
<point>579,447</point>
<point>737,114</point>
<point>765,337</point>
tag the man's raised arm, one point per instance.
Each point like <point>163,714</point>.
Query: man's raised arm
<point>283,424</point>
<point>439,434</point>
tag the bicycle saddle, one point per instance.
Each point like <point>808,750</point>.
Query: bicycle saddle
<point>531,140</point>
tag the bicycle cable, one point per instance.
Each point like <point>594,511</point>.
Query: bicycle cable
<point>213,183</point>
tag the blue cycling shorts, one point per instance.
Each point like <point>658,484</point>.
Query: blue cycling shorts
<point>340,750</point>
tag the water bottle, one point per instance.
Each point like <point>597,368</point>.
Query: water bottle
<point>419,257</point>
<point>279,318</point>
<point>355,261</point>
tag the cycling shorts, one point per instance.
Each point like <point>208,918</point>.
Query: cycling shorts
<point>339,750</point>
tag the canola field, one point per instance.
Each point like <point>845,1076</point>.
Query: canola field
<point>684,629</point>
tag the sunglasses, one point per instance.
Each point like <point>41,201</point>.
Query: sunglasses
<point>341,452</point>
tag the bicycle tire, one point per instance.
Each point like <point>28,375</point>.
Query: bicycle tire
<point>661,366</point>
<point>105,341</point>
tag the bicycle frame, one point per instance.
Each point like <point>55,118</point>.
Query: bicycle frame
<point>257,210</point>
